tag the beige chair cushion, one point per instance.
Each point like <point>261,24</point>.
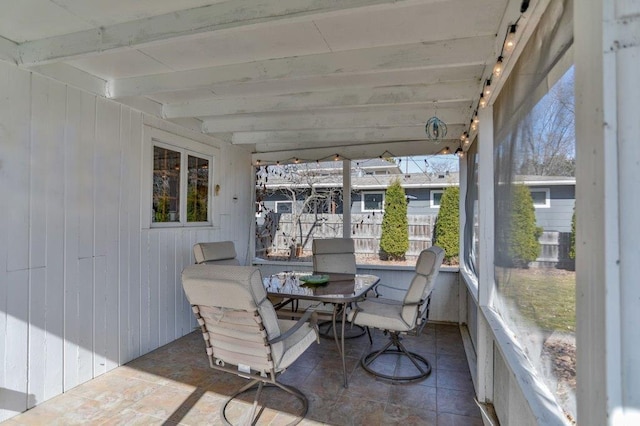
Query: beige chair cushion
<point>220,253</point>
<point>220,290</point>
<point>334,255</point>
<point>393,315</point>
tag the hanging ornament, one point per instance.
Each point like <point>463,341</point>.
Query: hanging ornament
<point>435,129</point>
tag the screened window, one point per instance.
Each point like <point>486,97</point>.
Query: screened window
<point>535,290</point>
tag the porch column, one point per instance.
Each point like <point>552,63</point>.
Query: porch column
<point>607,60</point>
<point>486,225</point>
<point>346,198</point>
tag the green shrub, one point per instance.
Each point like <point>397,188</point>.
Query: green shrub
<point>523,245</point>
<point>447,229</point>
<point>572,246</point>
<point>394,241</point>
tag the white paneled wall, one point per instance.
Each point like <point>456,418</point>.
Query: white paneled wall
<point>83,288</point>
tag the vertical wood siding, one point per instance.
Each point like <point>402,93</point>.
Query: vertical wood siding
<point>83,288</point>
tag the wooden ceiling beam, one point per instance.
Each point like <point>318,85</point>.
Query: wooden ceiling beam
<point>354,117</point>
<point>184,24</point>
<point>419,94</point>
<point>441,54</point>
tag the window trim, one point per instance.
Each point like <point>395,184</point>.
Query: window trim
<point>186,147</point>
<point>547,197</point>
<point>362,201</point>
<point>431,200</point>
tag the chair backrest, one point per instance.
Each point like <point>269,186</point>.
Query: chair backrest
<point>427,269</point>
<point>334,255</point>
<point>219,253</point>
<point>231,304</point>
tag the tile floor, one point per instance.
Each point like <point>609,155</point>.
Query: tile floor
<point>174,385</point>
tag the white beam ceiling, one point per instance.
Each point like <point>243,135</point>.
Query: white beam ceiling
<point>178,25</point>
<point>277,76</point>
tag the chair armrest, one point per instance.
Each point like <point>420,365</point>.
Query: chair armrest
<point>310,313</point>
<point>387,286</point>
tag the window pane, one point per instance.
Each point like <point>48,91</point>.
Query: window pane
<point>539,198</point>
<point>372,201</point>
<point>197,189</point>
<point>436,196</point>
<point>166,185</point>
<point>534,271</point>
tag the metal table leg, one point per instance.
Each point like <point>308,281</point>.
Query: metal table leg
<point>340,343</point>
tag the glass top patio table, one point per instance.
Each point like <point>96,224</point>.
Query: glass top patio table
<point>339,290</point>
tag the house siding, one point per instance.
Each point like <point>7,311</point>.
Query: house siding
<point>557,217</point>
<point>83,287</point>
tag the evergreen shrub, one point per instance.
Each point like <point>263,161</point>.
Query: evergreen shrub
<point>394,241</point>
<point>447,229</point>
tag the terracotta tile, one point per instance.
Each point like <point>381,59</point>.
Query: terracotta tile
<point>365,385</point>
<point>403,415</point>
<point>458,380</point>
<point>457,402</point>
<point>174,384</point>
<point>446,419</point>
<point>356,411</point>
<point>452,362</point>
<point>420,397</point>
<point>162,403</point>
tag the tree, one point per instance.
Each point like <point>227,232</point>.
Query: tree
<point>572,246</point>
<point>522,237</point>
<point>447,229</point>
<point>394,241</point>
<point>299,184</point>
<point>547,135</point>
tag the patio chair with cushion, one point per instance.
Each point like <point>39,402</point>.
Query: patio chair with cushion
<point>242,333</point>
<point>395,317</point>
<point>334,256</point>
<point>220,253</point>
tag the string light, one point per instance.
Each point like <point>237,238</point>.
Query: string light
<point>497,68</point>
<point>483,101</point>
<point>510,40</point>
<point>487,88</point>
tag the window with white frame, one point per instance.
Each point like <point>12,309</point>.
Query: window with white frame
<point>284,207</point>
<point>541,197</point>
<point>435,198</point>
<point>180,174</point>
<point>372,201</point>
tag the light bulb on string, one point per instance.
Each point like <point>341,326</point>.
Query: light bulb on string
<point>487,88</point>
<point>510,40</point>
<point>483,101</point>
<point>497,68</point>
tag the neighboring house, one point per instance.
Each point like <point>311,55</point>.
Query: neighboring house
<point>553,196</point>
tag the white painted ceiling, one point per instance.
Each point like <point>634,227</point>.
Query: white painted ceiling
<point>281,76</point>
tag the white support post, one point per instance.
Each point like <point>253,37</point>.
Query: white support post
<point>486,281</point>
<point>346,198</point>
<point>462,287</point>
<point>607,59</point>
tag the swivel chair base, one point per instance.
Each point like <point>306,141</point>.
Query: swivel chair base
<point>422,366</point>
<point>253,416</point>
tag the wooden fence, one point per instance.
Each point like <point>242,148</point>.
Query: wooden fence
<point>365,230</point>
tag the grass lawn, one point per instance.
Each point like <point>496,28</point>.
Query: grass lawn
<point>545,296</point>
